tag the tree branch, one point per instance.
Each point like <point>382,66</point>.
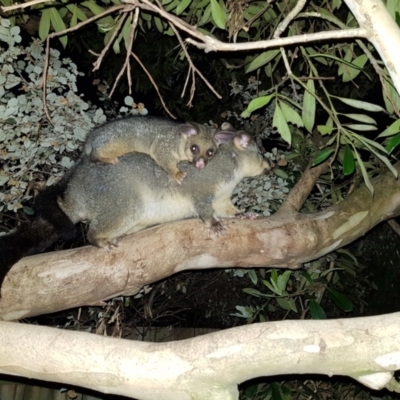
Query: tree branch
<point>302,189</point>
<point>209,366</point>
<point>83,276</point>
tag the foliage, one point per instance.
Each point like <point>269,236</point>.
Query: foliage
<point>329,286</point>
<point>321,105</point>
<point>29,145</point>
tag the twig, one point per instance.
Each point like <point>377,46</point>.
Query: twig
<point>97,63</point>
<point>126,65</point>
<point>194,69</point>
<point>24,5</point>
<point>152,81</point>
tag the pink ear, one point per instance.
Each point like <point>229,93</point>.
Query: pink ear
<point>223,136</point>
<point>242,139</point>
<point>188,130</point>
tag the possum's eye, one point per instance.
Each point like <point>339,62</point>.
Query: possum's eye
<point>194,149</point>
<point>210,152</point>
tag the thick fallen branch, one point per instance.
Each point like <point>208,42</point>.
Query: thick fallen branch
<point>209,366</point>
<point>50,282</point>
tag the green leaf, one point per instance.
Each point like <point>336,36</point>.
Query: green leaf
<point>342,301</point>
<point>287,304</point>
<point>218,14</point>
<point>172,6</point>
<point>254,292</point>
<point>182,6</point>
<point>93,7</point>
<point>369,143</point>
<point>317,312</point>
<point>309,105</point>
<point>322,156</point>
<point>393,143</point>
<point>356,67</point>
<point>58,24</point>
<point>390,95</point>
<point>364,173</point>
<point>325,130</point>
<point>280,173</point>
<point>291,115</point>
<point>262,59</point>
<point>206,16</point>
<point>361,118</point>
<point>348,161</point>
<point>74,17</point>
<point>360,104</point>
<point>280,123</point>
<point>253,276</point>
<point>345,61</point>
<point>283,280</point>
<point>159,24</point>
<point>44,25</point>
<point>391,130</point>
<point>255,104</point>
<point>361,127</point>
<point>28,210</point>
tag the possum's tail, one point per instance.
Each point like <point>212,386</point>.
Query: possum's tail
<point>49,225</point>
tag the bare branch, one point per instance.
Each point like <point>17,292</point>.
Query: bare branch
<point>302,189</point>
<point>154,84</point>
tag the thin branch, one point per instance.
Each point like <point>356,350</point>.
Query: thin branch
<point>212,44</point>
<point>153,82</point>
<point>126,65</point>
<point>193,67</point>
<point>24,5</point>
<point>302,189</point>
<point>97,63</point>
<point>289,18</point>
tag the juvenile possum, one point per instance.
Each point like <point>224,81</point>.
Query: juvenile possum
<point>136,193</point>
<point>167,142</point>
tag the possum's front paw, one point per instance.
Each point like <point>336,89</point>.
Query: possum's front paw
<point>179,176</point>
<point>217,227</point>
<point>106,244</point>
<point>247,215</point>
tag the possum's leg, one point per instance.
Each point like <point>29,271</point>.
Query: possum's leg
<point>100,234</point>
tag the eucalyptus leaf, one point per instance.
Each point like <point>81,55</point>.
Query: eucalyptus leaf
<point>322,156</point>
<point>393,143</point>
<point>262,59</point>
<point>361,127</point>
<point>363,105</point>
<point>348,161</point>
<point>325,130</point>
<point>44,25</point>
<point>287,304</point>
<point>316,311</point>
<point>392,129</point>
<point>308,114</point>
<point>218,14</point>
<point>182,6</point>
<point>58,24</point>
<point>280,123</point>
<point>361,118</point>
<point>364,173</point>
<point>342,301</point>
<point>291,115</point>
<point>255,104</point>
